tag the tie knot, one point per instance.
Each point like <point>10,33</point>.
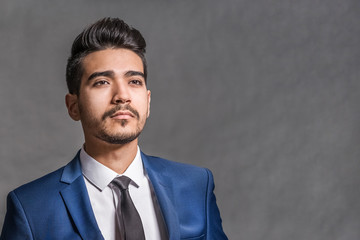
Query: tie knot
<point>122,182</point>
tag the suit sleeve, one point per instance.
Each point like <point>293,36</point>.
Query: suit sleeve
<point>16,225</point>
<point>214,222</point>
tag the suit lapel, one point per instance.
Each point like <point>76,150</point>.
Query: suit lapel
<point>161,184</point>
<point>77,201</point>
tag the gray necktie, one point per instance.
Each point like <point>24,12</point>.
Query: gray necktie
<point>129,221</point>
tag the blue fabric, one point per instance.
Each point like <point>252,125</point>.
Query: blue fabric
<point>57,205</point>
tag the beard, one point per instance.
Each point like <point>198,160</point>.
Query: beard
<point>109,135</point>
<point>118,138</point>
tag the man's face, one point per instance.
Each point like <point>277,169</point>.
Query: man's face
<point>113,101</point>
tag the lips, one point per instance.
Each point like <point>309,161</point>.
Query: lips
<point>122,115</point>
<point>121,112</point>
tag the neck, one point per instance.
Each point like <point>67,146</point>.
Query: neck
<point>117,157</point>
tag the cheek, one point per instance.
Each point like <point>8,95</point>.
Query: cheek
<point>91,105</point>
<point>143,106</point>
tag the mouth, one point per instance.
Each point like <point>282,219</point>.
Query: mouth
<point>122,115</point>
<point>121,112</point>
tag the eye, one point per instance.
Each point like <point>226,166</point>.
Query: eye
<point>101,82</point>
<point>136,82</point>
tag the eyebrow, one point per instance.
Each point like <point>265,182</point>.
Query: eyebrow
<point>134,73</point>
<point>101,74</point>
<point>111,74</point>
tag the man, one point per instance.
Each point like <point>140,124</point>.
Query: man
<point>111,190</point>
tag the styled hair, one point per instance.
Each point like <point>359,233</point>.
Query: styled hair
<point>104,34</point>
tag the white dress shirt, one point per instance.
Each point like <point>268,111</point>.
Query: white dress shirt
<point>104,200</point>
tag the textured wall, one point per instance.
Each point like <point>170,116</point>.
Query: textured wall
<point>264,93</point>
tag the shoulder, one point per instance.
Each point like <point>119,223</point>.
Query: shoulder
<point>177,170</point>
<point>162,163</point>
<point>41,186</point>
<point>52,182</point>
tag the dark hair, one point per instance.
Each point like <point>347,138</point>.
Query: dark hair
<point>103,34</point>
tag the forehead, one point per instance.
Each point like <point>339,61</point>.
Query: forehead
<point>118,60</point>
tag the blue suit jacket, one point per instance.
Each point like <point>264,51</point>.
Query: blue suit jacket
<point>57,206</point>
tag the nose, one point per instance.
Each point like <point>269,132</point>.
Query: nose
<point>121,94</point>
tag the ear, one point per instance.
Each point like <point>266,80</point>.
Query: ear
<point>72,105</point>
<point>149,100</point>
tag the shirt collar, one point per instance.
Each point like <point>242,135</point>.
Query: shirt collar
<point>101,176</point>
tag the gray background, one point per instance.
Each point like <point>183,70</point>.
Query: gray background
<point>264,93</point>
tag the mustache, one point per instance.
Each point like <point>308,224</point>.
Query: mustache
<point>121,108</point>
